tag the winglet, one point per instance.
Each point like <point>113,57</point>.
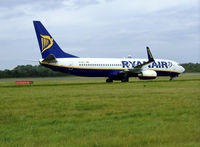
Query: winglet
<point>138,68</point>
<point>150,57</point>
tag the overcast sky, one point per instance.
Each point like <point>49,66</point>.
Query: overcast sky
<point>101,28</point>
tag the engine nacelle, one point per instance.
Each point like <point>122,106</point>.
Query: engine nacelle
<point>147,74</point>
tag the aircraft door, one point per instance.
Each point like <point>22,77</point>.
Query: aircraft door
<point>70,66</point>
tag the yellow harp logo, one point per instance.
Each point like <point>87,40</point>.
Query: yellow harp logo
<point>46,41</point>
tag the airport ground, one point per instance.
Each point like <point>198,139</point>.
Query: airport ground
<point>76,111</point>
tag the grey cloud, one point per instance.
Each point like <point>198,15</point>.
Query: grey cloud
<point>167,31</point>
<point>42,3</point>
<point>101,28</point>
<point>11,3</point>
<point>15,8</point>
<point>47,4</point>
<point>81,3</point>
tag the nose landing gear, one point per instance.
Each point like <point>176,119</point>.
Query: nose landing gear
<point>109,80</point>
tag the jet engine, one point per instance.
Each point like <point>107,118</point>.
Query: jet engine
<point>147,74</point>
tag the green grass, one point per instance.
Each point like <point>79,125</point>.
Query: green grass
<point>90,112</point>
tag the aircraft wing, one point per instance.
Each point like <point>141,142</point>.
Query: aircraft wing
<point>139,68</point>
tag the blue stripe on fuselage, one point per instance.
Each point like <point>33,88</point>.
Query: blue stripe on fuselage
<point>84,71</point>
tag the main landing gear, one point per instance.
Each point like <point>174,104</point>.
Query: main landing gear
<point>124,78</point>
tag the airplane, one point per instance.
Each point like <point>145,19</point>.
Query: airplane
<point>55,58</point>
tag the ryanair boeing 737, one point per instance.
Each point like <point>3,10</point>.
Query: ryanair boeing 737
<point>56,59</point>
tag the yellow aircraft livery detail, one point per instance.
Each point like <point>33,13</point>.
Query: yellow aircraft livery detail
<point>46,41</point>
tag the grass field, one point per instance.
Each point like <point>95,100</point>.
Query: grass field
<point>92,113</point>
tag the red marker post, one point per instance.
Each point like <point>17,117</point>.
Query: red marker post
<point>24,82</point>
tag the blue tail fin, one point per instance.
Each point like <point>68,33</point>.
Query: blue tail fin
<point>47,44</point>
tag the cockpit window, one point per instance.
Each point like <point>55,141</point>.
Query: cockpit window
<point>170,64</point>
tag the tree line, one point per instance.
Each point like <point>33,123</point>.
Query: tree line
<point>30,71</point>
<point>40,71</point>
<point>191,67</point>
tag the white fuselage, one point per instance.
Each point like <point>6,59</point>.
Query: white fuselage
<point>92,65</point>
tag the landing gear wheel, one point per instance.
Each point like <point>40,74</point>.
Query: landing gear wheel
<point>125,78</point>
<point>109,80</point>
<point>171,78</point>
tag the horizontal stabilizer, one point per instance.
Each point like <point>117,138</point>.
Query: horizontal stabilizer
<point>50,59</point>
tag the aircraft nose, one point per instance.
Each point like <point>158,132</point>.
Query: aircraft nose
<point>182,69</point>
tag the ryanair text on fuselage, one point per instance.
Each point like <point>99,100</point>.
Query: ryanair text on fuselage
<point>158,64</point>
